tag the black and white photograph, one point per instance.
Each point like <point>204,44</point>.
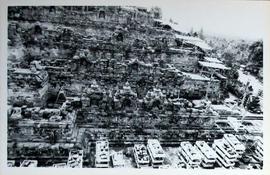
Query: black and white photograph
<point>134,86</point>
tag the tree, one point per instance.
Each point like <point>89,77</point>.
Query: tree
<point>191,31</point>
<point>201,34</point>
<point>195,34</point>
<point>157,13</point>
<point>256,53</point>
<point>260,93</point>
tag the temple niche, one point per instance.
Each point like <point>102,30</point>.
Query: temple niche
<point>101,14</point>
<point>125,98</point>
<point>119,36</point>
<point>133,66</point>
<point>154,99</point>
<point>37,29</point>
<point>94,95</point>
<point>84,60</point>
<point>61,97</point>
